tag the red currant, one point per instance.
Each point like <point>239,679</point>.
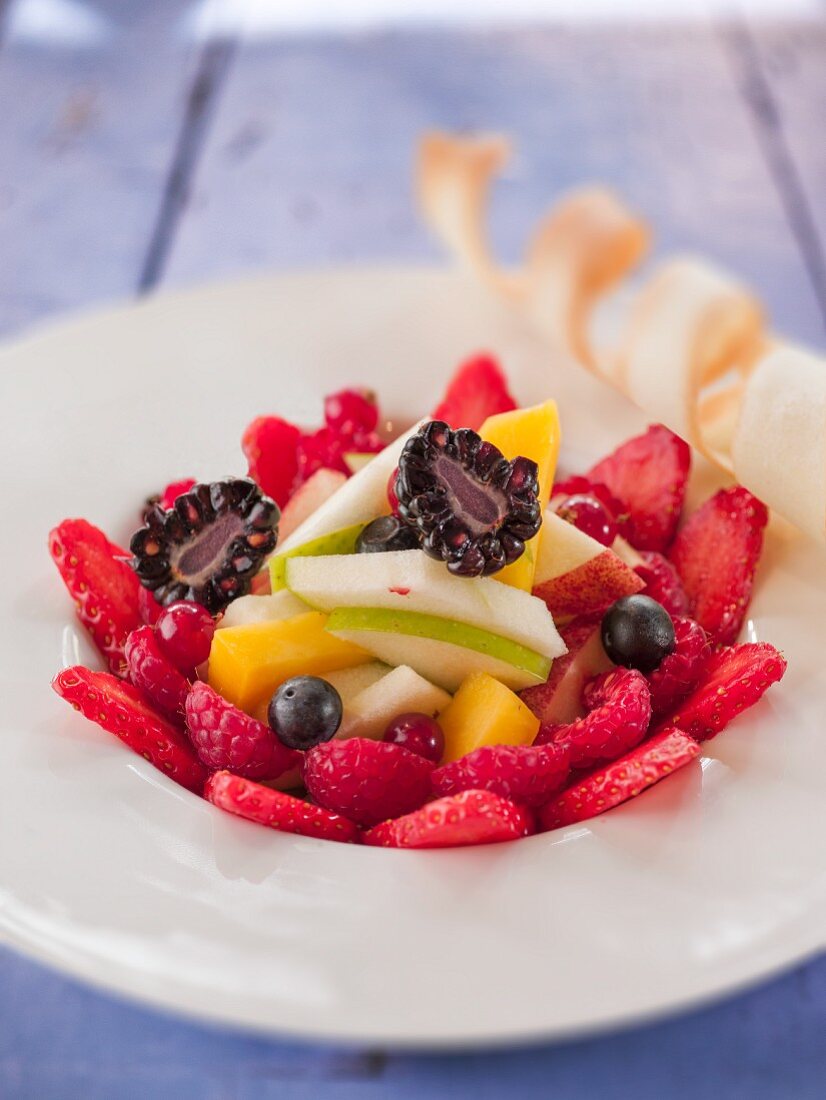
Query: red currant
<point>419,733</point>
<point>184,631</point>
<point>590,516</point>
<point>351,412</point>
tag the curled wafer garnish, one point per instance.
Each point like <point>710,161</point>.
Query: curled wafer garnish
<point>693,350</point>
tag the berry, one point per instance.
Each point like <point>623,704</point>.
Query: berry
<point>351,413</point>
<point>476,391</point>
<point>170,494</point>
<point>528,774</point>
<point>471,817</point>
<point>305,711</point>
<point>637,632</point>
<point>607,787</point>
<point>648,474</point>
<point>366,781</point>
<point>619,704</point>
<point>662,582</point>
<point>270,446</point>
<point>99,580</point>
<point>733,680</point>
<point>365,443</point>
<point>185,631</point>
<point>155,675</point>
<point>387,533</point>
<point>209,546</point>
<point>392,499</point>
<point>474,508</point>
<point>680,670</point>
<point>148,606</point>
<point>225,737</point>
<point>322,449</point>
<point>419,733</point>
<point>275,809</point>
<point>716,555</point>
<point>576,485</point>
<point>590,516</point>
<point>119,708</point>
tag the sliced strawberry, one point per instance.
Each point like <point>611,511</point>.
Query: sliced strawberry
<point>678,673</point>
<point>733,679</point>
<point>619,704</point>
<point>609,786</point>
<point>104,588</point>
<point>276,810</point>
<point>477,390</point>
<point>366,781</point>
<point>648,474</point>
<point>471,817</point>
<point>528,774</point>
<point>662,582</point>
<point>120,708</point>
<point>716,555</point>
<point>148,606</point>
<point>270,446</point>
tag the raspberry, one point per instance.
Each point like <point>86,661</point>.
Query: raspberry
<point>733,680</point>
<point>275,809</point>
<point>619,703</point>
<point>155,675</point>
<point>681,669</point>
<point>471,817</point>
<point>662,582</point>
<point>99,580</point>
<point>528,774</point>
<point>119,708</point>
<point>648,474</point>
<point>318,450</point>
<point>716,556</point>
<point>270,446</point>
<point>607,787</point>
<point>350,413</point>
<point>225,737</point>
<point>366,781</point>
<point>476,391</point>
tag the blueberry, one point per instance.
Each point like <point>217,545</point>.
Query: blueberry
<point>305,711</point>
<point>387,533</point>
<point>637,632</point>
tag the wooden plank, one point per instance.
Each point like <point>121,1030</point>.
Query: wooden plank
<point>309,158</point>
<point>87,134</point>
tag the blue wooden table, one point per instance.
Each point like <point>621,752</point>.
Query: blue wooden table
<point>151,143</point>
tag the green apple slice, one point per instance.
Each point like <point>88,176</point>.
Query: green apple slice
<point>334,543</point>
<point>442,650</point>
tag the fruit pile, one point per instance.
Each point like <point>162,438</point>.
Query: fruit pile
<point>433,643</point>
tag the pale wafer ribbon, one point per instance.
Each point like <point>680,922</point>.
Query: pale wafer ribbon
<point>693,350</point>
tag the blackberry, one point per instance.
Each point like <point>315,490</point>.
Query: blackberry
<point>474,509</point>
<point>208,546</point>
<point>387,533</point>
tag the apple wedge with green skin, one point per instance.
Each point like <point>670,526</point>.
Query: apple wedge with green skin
<point>559,699</point>
<point>575,574</point>
<point>442,650</point>
<point>262,609</point>
<point>308,498</point>
<point>334,544</point>
<point>401,691</point>
<point>410,581</point>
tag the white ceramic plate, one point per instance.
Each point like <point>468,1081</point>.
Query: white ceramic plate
<point>108,871</point>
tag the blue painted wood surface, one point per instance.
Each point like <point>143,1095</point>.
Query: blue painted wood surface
<point>133,156</point>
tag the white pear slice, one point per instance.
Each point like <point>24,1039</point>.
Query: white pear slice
<point>351,682</point>
<point>401,691</point>
<point>308,498</point>
<point>262,609</point>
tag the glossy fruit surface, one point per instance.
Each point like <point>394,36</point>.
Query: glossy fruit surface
<point>590,516</point>
<point>419,733</point>
<point>637,632</point>
<point>351,412</point>
<point>305,711</point>
<point>387,533</point>
<point>185,630</point>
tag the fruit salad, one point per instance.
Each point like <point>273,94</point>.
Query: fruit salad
<point>433,642</point>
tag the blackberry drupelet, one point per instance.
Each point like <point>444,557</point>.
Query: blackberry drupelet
<point>474,509</point>
<point>387,533</point>
<point>208,546</point>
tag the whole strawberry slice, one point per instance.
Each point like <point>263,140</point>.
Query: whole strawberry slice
<point>733,679</point>
<point>619,705</point>
<point>275,809</point>
<point>270,446</point>
<point>471,817</point>
<point>648,474</point>
<point>476,391</point>
<point>120,708</point>
<point>677,673</point>
<point>154,674</point>
<point>104,588</point>
<point>225,737</point>
<point>609,786</point>
<point>716,555</point>
<point>366,781</point>
<point>662,582</point>
<point>528,774</point>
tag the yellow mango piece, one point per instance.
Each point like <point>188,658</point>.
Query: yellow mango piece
<point>533,433</point>
<point>485,712</point>
<point>247,663</point>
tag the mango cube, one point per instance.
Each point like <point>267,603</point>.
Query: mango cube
<point>485,712</point>
<point>247,663</point>
<point>533,433</point>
